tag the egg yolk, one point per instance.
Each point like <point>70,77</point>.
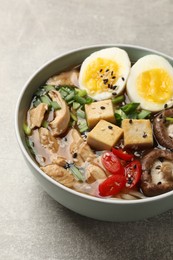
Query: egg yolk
<point>155,85</point>
<point>100,75</point>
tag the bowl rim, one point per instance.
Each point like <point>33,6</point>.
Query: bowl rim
<point>36,167</point>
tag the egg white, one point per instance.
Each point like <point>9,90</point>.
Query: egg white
<point>113,54</point>
<point>144,64</point>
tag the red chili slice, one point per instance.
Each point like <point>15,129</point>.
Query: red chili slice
<point>133,173</point>
<point>122,154</point>
<point>111,163</point>
<point>112,185</point>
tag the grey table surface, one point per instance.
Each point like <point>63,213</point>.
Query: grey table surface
<point>33,225</point>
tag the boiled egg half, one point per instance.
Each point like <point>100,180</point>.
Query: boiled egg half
<point>104,73</point>
<point>150,83</point>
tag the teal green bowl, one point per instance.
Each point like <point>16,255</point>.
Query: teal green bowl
<point>101,209</point>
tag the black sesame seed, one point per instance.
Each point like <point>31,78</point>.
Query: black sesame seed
<point>114,87</point>
<point>74,155</point>
<point>159,183</point>
<point>158,167</point>
<point>114,93</point>
<point>113,77</point>
<point>101,70</point>
<point>65,139</point>
<point>112,73</point>
<point>123,78</point>
<point>67,165</point>
<point>144,135</point>
<point>105,81</point>
<point>110,127</point>
<point>165,105</point>
<point>134,167</point>
<point>102,107</point>
<point>130,121</point>
<point>107,70</point>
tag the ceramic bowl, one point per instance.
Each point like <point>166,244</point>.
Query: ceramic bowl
<point>101,209</point>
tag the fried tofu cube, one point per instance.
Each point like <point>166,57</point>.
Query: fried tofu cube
<point>99,110</point>
<point>104,135</point>
<point>137,133</point>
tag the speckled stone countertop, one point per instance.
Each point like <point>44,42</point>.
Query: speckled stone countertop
<point>33,225</point>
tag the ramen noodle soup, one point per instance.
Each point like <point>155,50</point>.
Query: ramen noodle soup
<point>105,127</point>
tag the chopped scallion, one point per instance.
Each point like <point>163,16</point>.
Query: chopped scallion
<point>48,88</point>
<point>81,92</point>
<point>118,99</point>
<point>55,105</point>
<point>45,124</point>
<point>81,113</point>
<point>130,108</point>
<point>26,129</point>
<point>144,114</point>
<point>169,119</point>
<point>76,105</point>
<point>69,97</point>
<point>45,99</point>
<point>79,99</point>
<point>75,171</point>
<point>73,117</point>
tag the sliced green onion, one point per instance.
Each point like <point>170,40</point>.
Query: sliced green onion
<point>69,97</point>
<point>83,128</point>
<point>45,99</point>
<point>40,92</point>
<point>49,88</point>
<point>45,124</point>
<point>81,113</point>
<point>79,99</point>
<point>55,105</point>
<point>70,102</point>
<point>81,92</point>
<point>130,108</point>
<point>76,105</point>
<point>88,100</point>
<point>118,99</point>
<point>36,102</point>
<point>169,119</point>
<point>73,117</point>
<point>143,114</point>
<point>76,173</point>
<point>121,113</point>
<point>118,119</point>
<point>26,129</point>
<point>63,92</point>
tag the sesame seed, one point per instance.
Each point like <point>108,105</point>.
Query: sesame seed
<point>107,70</point>
<point>101,70</point>
<point>158,167</point>
<point>130,121</point>
<point>102,107</point>
<point>114,93</point>
<point>74,155</point>
<point>113,77</point>
<point>110,127</point>
<point>123,78</point>
<point>112,73</point>
<point>105,81</point>
<point>114,87</point>
<point>159,183</point>
<point>165,105</point>
<point>144,135</point>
